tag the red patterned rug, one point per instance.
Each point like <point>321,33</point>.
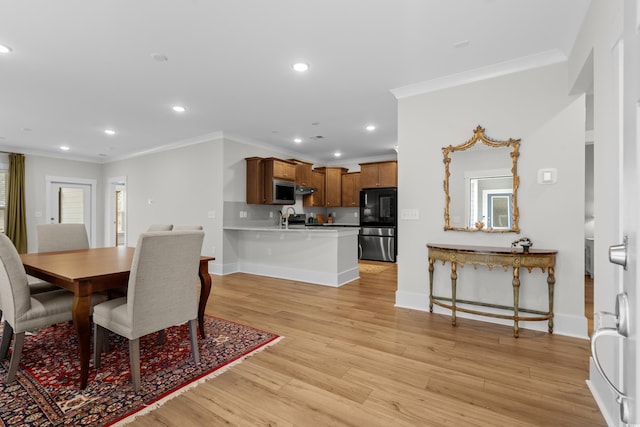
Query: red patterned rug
<point>45,391</point>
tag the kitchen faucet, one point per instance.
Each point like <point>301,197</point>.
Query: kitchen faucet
<point>286,221</point>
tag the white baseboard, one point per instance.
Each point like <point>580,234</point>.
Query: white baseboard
<point>568,325</point>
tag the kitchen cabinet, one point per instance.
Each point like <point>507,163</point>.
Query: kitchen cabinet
<point>315,199</point>
<point>279,169</point>
<point>379,174</point>
<point>333,186</point>
<point>303,172</point>
<point>351,189</point>
<point>255,180</point>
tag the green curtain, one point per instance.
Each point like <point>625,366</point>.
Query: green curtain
<point>16,228</point>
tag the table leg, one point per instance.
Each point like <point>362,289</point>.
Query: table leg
<point>551,281</point>
<point>81,322</point>
<point>516,300</point>
<point>205,290</point>
<point>454,278</point>
<point>431,261</point>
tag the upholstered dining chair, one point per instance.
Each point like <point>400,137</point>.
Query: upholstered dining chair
<point>187,227</point>
<point>62,237</point>
<point>162,292</point>
<point>160,227</point>
<point>22,309</point>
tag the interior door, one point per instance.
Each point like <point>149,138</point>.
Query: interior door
<point>71,201</point>
<point>629,374</point>
<point>622,374</point>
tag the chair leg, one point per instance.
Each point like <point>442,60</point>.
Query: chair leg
<point>18,343</point>
<point>161,337</point>
<point>98,332</point>
<point>134,360</point>
<point>193,332</point>
<point>7,334</point>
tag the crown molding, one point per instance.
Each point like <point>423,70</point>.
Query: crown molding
<point>542,59</point>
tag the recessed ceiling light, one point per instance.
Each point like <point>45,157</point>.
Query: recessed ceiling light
<point>5,49</point>
<point>160,57</point>
<point>110,131</point>
<point>337,154</point>
<point>300,67</point>
<point>297,140</point>
<point>178,109</point>
<point>461,43</point>
<point>370,128</point>
<point>64,148</point>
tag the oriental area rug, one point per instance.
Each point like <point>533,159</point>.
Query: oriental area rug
<point>45,391</point>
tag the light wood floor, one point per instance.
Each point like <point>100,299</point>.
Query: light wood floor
<point>350,358</point>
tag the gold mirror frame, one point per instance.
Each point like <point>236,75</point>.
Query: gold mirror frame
<point>479,135</point>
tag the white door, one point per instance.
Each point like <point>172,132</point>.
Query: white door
<point>629,374</point>
<point>71,200</point>
<point>622,373</point>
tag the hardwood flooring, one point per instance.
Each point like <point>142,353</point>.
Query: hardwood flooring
<point>350,358</point>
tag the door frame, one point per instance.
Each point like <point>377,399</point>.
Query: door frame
<point>92,183</point>
<point>110,230</point>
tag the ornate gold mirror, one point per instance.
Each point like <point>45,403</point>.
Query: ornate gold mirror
<point>481,185</point>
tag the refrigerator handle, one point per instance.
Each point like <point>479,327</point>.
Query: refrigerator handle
<point>366,202</point>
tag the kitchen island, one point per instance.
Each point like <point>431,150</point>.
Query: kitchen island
<point>320,255</point>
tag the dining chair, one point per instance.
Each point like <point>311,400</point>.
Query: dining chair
<point>24,311</point>
<point>62,237</point>
<point>160,227</point>
<point>162,292</point>
<point>187,227</point>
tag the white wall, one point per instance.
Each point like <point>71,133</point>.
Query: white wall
<point>179,186</point>
<point>36,169</point>
<point>531,105</point>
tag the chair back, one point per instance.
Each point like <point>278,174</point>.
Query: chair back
<point>160,227</point>
<point>15,297</point>
<point>62,237</point>
<point>163,283</point>
<point>187,227</point>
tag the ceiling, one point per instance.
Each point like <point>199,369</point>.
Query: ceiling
<point>79,67</point>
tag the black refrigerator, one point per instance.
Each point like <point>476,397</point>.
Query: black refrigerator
<point>378,224</point>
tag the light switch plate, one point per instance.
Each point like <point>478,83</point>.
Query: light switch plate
<point>547,176</point>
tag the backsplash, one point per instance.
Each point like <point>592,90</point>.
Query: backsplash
<point>240,213</point>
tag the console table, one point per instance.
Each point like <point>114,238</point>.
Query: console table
<point>491,257</point>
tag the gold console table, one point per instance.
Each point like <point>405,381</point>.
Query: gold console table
<point>491,257</point>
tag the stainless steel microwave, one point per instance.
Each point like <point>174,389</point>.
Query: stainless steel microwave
<point>283,192</point>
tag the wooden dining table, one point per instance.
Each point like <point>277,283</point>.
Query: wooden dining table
<point>88,271</point>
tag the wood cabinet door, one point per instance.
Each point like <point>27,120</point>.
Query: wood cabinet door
<point>388,174</point>
<point>369,176</point>
<point>284,170</point>
<point>303,173</point>
<point>351,189</point>
<point>317,198</point>
<point>333,187</point>
<point>255,181</point>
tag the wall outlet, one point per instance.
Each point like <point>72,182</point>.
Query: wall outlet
<point>270,214</point>
<point>410,214</point>
<point>211,214</point>
<point>355,214</point>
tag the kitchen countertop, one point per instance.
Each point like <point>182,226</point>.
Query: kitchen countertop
<point>320,228</point>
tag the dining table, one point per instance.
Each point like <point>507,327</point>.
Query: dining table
<point>87,271</point>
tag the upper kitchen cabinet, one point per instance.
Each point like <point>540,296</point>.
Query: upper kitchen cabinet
<point>333,186</point>
<point>315,199</point>
<point>351,189</point>
<point>379,174</point>
<point>303,172</point>
<point>279,169</point>
<point>255,180</point>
